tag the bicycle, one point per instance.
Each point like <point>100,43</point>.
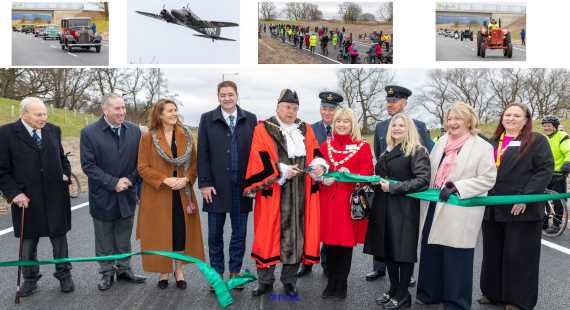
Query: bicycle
<point>554,224</point>
<point>74,184</point>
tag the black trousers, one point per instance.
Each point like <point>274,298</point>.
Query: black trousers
<point>557,184</point>
<point>30,252</point>
<point>339,259</point>
<point>400,275</point>
<point>510,267</point>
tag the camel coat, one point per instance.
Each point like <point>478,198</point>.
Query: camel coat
<point>474,175</point>
<point>154,225</point>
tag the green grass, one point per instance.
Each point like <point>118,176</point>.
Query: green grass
<point>69,121</point>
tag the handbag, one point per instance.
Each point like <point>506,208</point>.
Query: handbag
<point>361,201</point>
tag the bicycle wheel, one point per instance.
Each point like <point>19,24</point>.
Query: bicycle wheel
<point>555,222</point>
<point>74,187</point>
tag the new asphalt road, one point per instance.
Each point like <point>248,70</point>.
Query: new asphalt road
<point>449,49</point>
<point>554,279</point>
<point>28,50</point>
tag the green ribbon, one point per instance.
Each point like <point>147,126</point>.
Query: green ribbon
<point>433,194</point>
<point>222,288</point>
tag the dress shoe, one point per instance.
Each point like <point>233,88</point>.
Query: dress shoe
<point>384,299</point>
<point>371,276</point>
<point>262,289</point>
<point>180,284</point>
<point>129,276</point>
<point>105,283</point>
<point>304,270</point>
<point>162,284</point>
<point>28,288</point>
<point>233,275</point>
<point>395,304</point>
<point>290,290</point>
<point>485,301</point>
<point>511,307</point>
<point>66,285</point>
<point>412,282</point>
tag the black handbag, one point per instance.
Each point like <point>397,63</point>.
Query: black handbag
<point>361,202</point>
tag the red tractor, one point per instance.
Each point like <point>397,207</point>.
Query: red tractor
<point>494,38</point>
<point>77,32</point>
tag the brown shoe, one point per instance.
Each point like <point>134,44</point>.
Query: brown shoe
<point>233,275</point>
<point>511,307</point>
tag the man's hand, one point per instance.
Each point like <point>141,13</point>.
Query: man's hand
<point>122,185</point>
<point>292,172</point>
<point>21,200</point>
<point>207,193</point>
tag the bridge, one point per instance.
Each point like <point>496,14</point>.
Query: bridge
<point>51,12</point>
<point>506,12</point>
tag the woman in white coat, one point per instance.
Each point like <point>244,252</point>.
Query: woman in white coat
<point>462,164</point>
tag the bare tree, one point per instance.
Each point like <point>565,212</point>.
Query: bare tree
<point>507,85</point>
<point>547,91</point>
<point>349,11</point>
<point>362,90</point>
<point>311,11</point>
<point>367,17</point>
<point>471,86</point>
<point>436,97</point>
<point>386,12</point>
<point>268,10</point>
<point>293,11</point>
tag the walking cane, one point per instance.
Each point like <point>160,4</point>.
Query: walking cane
<point>17,301</point>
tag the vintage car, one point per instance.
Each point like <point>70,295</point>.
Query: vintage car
<point>76,33</point>
<point>467,34</point>
<point>27,28</point>
<point>51,32</point>
<point>38,30</point>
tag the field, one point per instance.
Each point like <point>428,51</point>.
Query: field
<point>273,52</point>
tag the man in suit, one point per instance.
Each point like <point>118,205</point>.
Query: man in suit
<point>396,101</point>
<point>109,151</point>
<point>323,129</point>
<point>224,142</point>
<point>34,175</point>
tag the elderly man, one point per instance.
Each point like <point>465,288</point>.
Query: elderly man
<point>34,177</point>
<point>396,101</point>
<point>109,151</point>
<point>286,215</point>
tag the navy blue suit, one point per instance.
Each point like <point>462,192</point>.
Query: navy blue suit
<point>319,128</point>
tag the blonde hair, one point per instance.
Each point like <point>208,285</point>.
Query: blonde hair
<point>411,139</point>
<point>466,113</point>
<point>346,113</point>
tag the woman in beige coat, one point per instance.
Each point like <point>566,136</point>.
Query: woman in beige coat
<point>462,164</point>
<point>168,218</point>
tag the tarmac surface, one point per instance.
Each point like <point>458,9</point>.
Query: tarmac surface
<point>449,49</point>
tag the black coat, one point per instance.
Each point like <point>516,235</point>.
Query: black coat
<point>382,129</point>
<point>38,173</point>
<point>394,221</point>
<point>214,156</point>
<point>527,174</point>
<point>105,159</point>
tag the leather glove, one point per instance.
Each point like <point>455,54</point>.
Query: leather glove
<point>447,191</point>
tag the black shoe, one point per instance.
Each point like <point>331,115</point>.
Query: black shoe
<point>105,283</point>
<point>371,276</point>
<point>290,290</point>
<point>341,288</point>
<point>162,284</point>
<point>329,290</point>
<point>395,304</point>
<point>181,284</point>
<point>28,288</point>
<point>304,270</point>
<point>66,285</point>
<point>262,289</point>
<point>384,299</point>
<point>129,276</point>
<point>412,282</point>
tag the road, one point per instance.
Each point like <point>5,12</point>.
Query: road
<point>332,57</point>
<point>28,50</point>
<point>448,49</point>
<point>554,280</point>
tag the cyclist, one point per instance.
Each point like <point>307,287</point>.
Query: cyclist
<point>560,146</point>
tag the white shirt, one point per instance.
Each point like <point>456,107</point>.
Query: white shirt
<point>226,116</point>
<point>113,126</point>
<point>30,129</point>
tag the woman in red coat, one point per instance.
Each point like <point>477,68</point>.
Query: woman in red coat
<point>347,152</point>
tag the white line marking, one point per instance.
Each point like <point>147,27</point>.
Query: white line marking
<point>11,229</point>
<point>555,246</point>
<point>71,54</point>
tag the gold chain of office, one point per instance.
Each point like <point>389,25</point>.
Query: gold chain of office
<point>350,153</point>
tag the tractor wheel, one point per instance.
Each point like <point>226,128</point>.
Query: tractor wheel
<point>98,48</point>
<point>509,50</point>
<point>483,48</point>
<point>462,38</point>
<point>479,50</point>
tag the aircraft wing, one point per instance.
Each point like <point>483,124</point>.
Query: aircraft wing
<point>222,24</point>
<point>213,37</point>
<point>156,16</point>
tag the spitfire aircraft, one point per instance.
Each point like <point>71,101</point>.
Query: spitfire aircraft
<point>185,17</point>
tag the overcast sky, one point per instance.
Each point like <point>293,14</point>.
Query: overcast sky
<point>330,9</point>
<point>259,89</point>
<point>157,42</point>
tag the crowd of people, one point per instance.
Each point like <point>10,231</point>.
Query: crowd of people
<point>301,215</point>
<point>318,39</point>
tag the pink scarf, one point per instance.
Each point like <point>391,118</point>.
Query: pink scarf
<point>451,150</point>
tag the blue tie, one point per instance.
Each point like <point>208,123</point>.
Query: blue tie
<point>115,131</point>
<point>329,131</point>
<point>37,138</point>
<point>232,123</point>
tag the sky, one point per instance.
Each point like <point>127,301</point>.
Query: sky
<point>151,41</point>
<point>330,9</point>
<point>259,88</point>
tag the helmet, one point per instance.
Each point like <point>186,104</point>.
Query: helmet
<point>551,119</point>
<point>494,21</point>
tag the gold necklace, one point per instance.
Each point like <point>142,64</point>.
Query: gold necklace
<point>345,159</point>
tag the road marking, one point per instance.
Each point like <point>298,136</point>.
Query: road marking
<point>555,246</point>
<point>11,229</point>
<point>315,53</point>
<point>71,54</point>
<point>53,46</point>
